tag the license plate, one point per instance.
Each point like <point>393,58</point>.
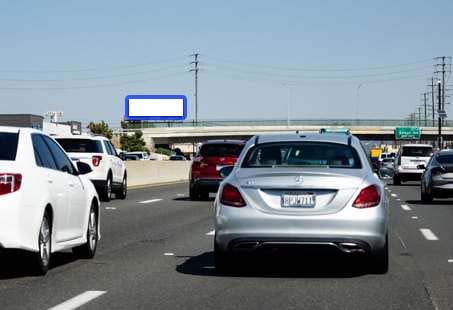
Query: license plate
<point>295,200</point>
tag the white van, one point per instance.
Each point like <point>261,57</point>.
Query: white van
<point>408,158</point>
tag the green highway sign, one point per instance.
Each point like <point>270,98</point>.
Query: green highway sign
<point>407,133</point>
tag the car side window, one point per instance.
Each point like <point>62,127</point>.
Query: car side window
<point>114,153</point>
<point>107,147</point>
<point>43,156</point>
<point>63,162</point>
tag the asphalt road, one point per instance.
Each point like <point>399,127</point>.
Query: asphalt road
<point>158,255</point>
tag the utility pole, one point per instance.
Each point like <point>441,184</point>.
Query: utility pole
<point>432,100</point>
<point>442,64</point>
<point>195,69</point>
<point>424,102</point>
<point>439,134</point>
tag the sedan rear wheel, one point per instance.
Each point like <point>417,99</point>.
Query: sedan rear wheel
<point>88,250</point>
<point>380,260</point>
<point>44,246</point>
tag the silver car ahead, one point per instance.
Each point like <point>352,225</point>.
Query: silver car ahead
<point>302,190</point>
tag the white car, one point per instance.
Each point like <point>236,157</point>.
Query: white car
<point>46,203</point>
<point>140,155</point>
<point>406,163</point>
<point>109,173</point>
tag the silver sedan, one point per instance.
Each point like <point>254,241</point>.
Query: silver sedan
<point>311,190</point>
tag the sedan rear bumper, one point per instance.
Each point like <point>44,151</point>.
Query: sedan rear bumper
<point>248,228</point>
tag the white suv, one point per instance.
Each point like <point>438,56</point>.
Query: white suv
<point>109,173</point>
<point>406,163</point>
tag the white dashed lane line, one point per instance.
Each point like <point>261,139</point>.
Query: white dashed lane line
<point>169,254</point>
<point>149,201</point>
<point>211,233</point>
<point>428,234</point>
<point>450,260</point>
<point>79,300</point>
<point>414,217</point>
<point>394,195</point>
<point>406,208</point>
<point>110,208</point>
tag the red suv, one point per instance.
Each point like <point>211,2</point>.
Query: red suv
<point>211,157</point>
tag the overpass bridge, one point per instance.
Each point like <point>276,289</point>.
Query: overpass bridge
<point>189,132</point>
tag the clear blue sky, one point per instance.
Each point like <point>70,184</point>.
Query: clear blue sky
<point>90,54</point>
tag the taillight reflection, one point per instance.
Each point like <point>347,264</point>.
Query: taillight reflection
<point>231,196</point>
<point>10,183</point>
<point>96,160</point>
<point>368,197</point>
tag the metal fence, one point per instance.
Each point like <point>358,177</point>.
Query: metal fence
<point>296,122</point>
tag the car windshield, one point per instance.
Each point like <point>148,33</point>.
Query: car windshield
<point>445,159</point>
<point>302,154</point>
<point>417,151</point>
<point>8,145</point>
<point>80,145</point>
<point>220,150</point>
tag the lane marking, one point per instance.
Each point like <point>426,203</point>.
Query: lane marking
<point>394,195</point>
<point>169,254</point>
<point>428,234</point>
<point>414,217</point>
<point>110,208</point>
<point>180,195</point>
<point>150,201</point>
<point>211,233</point>
<point>397,199</point>
<point>406,208</point>
<point>79,300</point>
<point>450,260</point>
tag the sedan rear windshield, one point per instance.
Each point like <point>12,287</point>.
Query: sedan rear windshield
<point>417,151</point>
<point>80,145</point>
<point>8,145</point>
<point>302,154</point>
<point>221,150</point>
<point>445,159</point>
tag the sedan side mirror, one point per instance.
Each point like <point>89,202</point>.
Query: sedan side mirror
<point>421,167</point>
<point>225,171</point>
<point>83,168</point>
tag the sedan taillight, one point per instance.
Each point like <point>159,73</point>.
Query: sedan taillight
<point>231,196</point>
<point>10,183</point>
<point>96,160</point>
<point>368,197</point>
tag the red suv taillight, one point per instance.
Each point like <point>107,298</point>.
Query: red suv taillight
<point>231,196</point>
<point>96,160</point>
<point>368,197</point>
<point>10,183</point>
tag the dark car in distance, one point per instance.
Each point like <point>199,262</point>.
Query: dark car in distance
<point>212,156</point>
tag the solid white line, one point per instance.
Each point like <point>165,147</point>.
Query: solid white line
<point>394,195</point>
<point>149,201</point>
<point>406,208</point>
<point>428,234</point>
<point>79,300</point>
<point>211,233</point>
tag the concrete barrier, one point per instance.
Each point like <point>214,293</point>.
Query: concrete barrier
<point>149,172</point>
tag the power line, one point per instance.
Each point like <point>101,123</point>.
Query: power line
<point>92,86</point>
<point>308,69</point>
<point>168,60</point>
